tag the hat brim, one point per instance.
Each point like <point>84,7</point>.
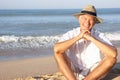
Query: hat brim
<point>97,20</point>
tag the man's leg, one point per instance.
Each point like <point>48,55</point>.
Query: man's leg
<point>102,69</point>
<point>64,65</point>
<point>114,74</point>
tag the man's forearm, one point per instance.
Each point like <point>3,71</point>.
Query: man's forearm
<point>104,48</point>
<point>106,64</point>
<point>61,47</point>
<point>62,59</point>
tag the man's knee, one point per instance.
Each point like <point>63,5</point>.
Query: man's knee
<point>110,61</point>
<point>62,57</point>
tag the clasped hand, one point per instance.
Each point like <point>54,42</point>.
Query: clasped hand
<point>86,35</point>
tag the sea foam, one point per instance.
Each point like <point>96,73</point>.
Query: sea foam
<point>27,41</point>
<point>7,42</point>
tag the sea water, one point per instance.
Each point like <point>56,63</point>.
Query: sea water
<point>38,30</point>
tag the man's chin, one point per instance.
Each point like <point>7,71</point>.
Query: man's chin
<point>85,29</point>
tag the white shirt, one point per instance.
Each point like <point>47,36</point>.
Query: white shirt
<point>84,55</point>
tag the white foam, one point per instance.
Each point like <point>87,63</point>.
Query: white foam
<point>38,41</point>
<point>27,42</point>
<point>113,36</point>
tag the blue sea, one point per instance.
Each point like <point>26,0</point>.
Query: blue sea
<point>32,33</point>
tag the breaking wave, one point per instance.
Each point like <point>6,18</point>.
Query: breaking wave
<point>27,41</point>
<point>7,42</point>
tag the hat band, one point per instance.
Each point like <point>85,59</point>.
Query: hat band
<point>88,12</point>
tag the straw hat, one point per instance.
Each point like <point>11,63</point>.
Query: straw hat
<point>89,9</point>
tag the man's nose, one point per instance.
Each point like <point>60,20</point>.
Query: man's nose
<point>87,23</point>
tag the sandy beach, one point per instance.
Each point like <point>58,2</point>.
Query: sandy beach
<point>43,68</point>
<point>10,70</point>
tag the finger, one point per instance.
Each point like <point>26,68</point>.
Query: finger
<point>87,31</point>
<point>83,32</point>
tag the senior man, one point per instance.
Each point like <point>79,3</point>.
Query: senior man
<point>84,46</point>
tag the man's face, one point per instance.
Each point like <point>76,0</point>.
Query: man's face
<point>86,22</point>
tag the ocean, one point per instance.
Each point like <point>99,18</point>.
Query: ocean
<point>32,33</point>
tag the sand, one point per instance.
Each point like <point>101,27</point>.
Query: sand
<point>10,70</point>
<point>41,68</point>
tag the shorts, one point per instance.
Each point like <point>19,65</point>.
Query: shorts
<point>80,74</point>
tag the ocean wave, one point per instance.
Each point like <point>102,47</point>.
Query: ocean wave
<point>8,42</point>
<point>113,36</point>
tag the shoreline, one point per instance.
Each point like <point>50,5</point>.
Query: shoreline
<point>26,53</point>
<point>20,69</point>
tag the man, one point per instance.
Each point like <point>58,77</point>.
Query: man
<point>84,45</point>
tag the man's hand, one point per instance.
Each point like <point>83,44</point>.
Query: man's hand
<point>85,34</point>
